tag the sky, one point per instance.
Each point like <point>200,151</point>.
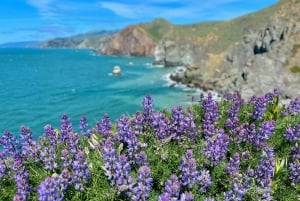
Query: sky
<point>37,20</point>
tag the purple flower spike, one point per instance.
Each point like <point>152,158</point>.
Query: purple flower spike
<point>50,189</point>
<point>81,172</point>
<point>216,147</point>
<point>11,145</point>
<point>294,168</point>
<point>144,182</point>
<point>188,167</point>
<point>293,108</point>
<point>29,145</point>
<point>105,126</point>
<point>83,126</point>
<point>65,126</point>
<point>122,175</point>
<point>109,157</point>
<point>160,125</point>
<point>260,106</point>
<point>292,133</point>
<point>148,107</point>
<point>186,196</point>
<point>204,180</point>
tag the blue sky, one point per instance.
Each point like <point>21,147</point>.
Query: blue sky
<point>23,20</point>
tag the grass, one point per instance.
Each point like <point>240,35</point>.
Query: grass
<point>295,69</point>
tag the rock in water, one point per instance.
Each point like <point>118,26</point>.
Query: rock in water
<point>117,70</point>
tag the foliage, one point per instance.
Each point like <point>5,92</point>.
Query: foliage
<point>295,69</point>
<point>228,150</point>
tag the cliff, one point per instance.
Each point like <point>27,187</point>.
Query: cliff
<point>261,60</point>
<point>133,41</point>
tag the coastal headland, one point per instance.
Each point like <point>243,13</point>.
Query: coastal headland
<point>252,54</point>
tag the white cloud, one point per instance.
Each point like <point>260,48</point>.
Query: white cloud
<point>46,8</point>
<point>120,9</point>
<point>148,11</point>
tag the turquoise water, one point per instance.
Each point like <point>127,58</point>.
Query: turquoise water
<point>38,85</point>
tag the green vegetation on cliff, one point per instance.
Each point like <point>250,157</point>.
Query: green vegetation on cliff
<point>216,36</point>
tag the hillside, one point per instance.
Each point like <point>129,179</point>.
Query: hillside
<point>265,57</point>
<point>92,40</point>
<point>222,56</point>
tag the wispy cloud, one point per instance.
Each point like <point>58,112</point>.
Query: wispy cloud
<point>46,8</point>
<point>147,11</point>
<point>176,10</point>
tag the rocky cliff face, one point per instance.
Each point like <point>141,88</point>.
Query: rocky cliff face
<point>263,60</point>
<point>259,63</point>
<point>132,41</point>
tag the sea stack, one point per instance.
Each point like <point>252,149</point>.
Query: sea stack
<point>117,70</point>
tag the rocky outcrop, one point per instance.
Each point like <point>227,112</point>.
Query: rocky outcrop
<point>174,53</point>
<point>257,64</point>
<point>133,40</point>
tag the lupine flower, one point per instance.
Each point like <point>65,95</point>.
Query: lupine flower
<point>21,178</point>
<point>83,126</point>
<point>65,179</point>
<point>186,196</point>
<point>52,135</point>
<point>11,145</point>
<point>172,189</point>
<point>204,180</point>
<point>48,157</point>
<point>123,180</point>
<point>29,145</point>
<point>237,102</point>
<point>264,172</point>
<point>296,152</point>
<point>3,166</point>
<point>292,133</point>
<point>216,147</point>
<point>233,164</point>
<point>181,124</point>
<point>266,166</point>
<point>239,183</point>
<point>137,123</point>
<point>294,168</point>
<point>160,125</point>
<point>132,146</point>
<point>141,159</point>
<point>148,107</point>
<point>66,158</point>
<point>81,172</point>
<point>104,127</point>
<point>166,197</point>
<point>293,108</point>
<point>127,137</point>
<point>210,106</point>
<point>144,182</point>
<point>123,125</point>
<point>109,157</point>
<point>65,126</point>
<point>72,140</point>
<point>50,190</point>
<point>260,106</point>
<point>232,124</point>
<point>188,168</point>
<point>263,134</point>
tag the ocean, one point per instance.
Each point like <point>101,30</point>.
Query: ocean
<point>37,86</point>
